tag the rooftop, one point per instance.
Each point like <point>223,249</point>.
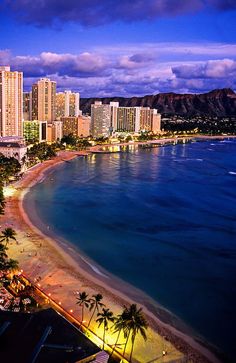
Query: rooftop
<point>42,337</point>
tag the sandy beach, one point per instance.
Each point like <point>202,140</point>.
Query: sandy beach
<point>63,271</point>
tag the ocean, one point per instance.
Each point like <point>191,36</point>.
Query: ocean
<point>162,219</point>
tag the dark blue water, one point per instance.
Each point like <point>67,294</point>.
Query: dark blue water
<point>163,219</point>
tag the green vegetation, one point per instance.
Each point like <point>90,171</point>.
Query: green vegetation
<point>69,140</point>
<point>2,201</point>
<point>7,234</point>
<point>146,135</point>
<point>101,140</point>
<point>9,167</point>
<point>41,152</point>
<point>74,142</point>
<point>6,264</point>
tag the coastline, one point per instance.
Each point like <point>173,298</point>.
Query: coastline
<point>55,264</point>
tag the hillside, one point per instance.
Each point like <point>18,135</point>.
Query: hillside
<point>220,102</point>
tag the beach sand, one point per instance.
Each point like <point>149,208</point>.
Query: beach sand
<point>63,271</point>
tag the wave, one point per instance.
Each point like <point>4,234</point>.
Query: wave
<point>232,172</point>
<point>94,268</point>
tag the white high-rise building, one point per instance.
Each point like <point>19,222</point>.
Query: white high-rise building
<point>11,102</point>
<point>109,119</point>
<point>100,120</point>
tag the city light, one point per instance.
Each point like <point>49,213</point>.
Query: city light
<point>8,191</point>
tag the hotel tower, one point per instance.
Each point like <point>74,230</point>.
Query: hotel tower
<point>67,104</point>
<point>11,102</point>
<point>44,100</point>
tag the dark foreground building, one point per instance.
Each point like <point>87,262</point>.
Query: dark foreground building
<point>44,337</point>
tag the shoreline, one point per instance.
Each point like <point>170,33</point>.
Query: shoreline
<point>74,271</point>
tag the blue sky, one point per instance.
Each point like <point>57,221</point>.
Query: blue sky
<point>121,48</point>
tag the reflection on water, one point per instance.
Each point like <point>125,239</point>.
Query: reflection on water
<point>163,219</point>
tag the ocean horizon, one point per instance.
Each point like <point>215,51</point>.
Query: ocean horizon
<point>161,218</point>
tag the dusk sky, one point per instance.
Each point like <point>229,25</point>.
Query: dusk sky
<point>121,48</point>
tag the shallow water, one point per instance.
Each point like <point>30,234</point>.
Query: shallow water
<point>163,219</point>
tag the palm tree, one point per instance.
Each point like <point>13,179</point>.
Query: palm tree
<point>8,265</point>
<point>7,234</point>
<point>83,301</point>
<point>95,305</point>
<point>104,318</point>
<point>121,324</point>
<point>137,324</point>
<point>3,249</point>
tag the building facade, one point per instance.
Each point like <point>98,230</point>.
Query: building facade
<point>27,106</point>
<point>54,131</point>
<point>150,120</point>
<point>84,123</point>
<point>67,104</point>
<point>35,131</point>
<point>69,126</point>
<point>44,100</point>
<point>101,120</point>
<point>127,119</point>
<point>110,119</point>
<point>13,147</point>
<point>11,102</point>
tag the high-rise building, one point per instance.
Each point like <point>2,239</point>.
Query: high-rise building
<point>11,102</point>
<point>27,106</point>
<point>84,123</point>
<point>44,100</point>
<point>128,119</point>
<point>35,131</point>
<point>67,104</point>
<point>108,119</point>
<point>54,131</point>
<point>70,126</point>
<point>150,120</point>
<point>100,120</point>
<point>35,101</point>
<point>156,122</point>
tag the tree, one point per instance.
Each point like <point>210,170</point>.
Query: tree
<point>6,264</point>
<point>9,167</point>
<point>83,301</point>
<point>128,138</point>
<point>8,234</point>
<point>104,318</point>
<point>121,324</point>
<point>2,202</point>
<point>69,140</point>
<point>41,151</point>
<point>136,324</point>
<point>3,250</point>
<point>95,304</point>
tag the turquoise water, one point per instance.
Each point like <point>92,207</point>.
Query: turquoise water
<point>163,219</point>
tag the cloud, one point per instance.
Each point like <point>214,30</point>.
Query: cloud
<point>45,13</point>
<point>224,68</point>
<point>82,65</point>
<point>127,71</point>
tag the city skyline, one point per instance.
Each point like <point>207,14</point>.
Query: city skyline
<point>135,48</point>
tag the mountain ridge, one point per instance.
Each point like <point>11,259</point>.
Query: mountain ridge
<point>218,102</point>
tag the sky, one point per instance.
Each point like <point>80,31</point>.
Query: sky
<point>104,48</point>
